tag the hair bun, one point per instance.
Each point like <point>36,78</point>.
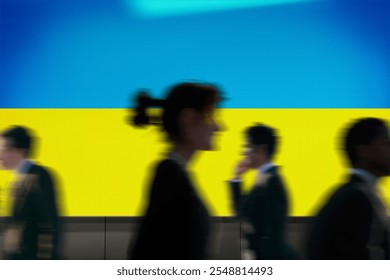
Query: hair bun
<point>143,101</point>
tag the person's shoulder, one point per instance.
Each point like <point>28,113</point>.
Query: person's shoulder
<point>348,197</point>
<point>168,171</point>
<point>354,196</point>
<point>39,170</point>
<point>169,182</point>
<point>275,178</point>
<point>43,174</point>
<point>350,190</point>
<point>167,165</point>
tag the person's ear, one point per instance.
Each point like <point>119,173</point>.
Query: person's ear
<point>263,150</point>
<point>187,117</point>
<point>362,152</point>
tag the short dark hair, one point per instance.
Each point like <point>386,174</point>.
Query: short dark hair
<point>20,138</point>
<point>187,95</point>
<point>362,132</point>
<point>260,134</point>
<point>198,96</point>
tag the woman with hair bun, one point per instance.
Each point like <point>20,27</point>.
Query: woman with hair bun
<point>176,223</point>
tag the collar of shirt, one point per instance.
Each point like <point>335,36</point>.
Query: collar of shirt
<point>369,178</point>
<point>264,168</point>
<point>178,159</point>
<point>23,167</point>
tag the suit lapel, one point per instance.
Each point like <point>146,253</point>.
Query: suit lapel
<point>23,187</point>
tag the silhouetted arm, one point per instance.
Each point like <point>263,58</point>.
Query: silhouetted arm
<point>278,211</point>
<point>236,196</point>
<point>351,230</point>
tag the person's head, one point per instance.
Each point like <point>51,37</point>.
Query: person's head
<point>260,145</point>
<point>367,143</point>
<point>16,144</point>
<point>187,115</point>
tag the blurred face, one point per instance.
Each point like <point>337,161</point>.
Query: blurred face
<point>198,128</point>
<point>255,155</point>
<point>10,157</point>
<point>377,155</point>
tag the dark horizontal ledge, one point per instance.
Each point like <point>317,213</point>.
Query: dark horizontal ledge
<point>135,219</point>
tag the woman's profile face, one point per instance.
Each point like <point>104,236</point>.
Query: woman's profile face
<point>198,128</point>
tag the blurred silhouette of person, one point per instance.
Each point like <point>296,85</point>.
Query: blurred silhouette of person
<point>353,224</point>
<point>176,223</point>
<point>31,231</point>
<point>263,211</point>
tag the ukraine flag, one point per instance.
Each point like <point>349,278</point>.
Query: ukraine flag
<point>306,68</point>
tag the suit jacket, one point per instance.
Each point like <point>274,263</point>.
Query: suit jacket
<point>263,212</point>
<point>32,230</point>
<point>351,225</point>
<point>176,224</point>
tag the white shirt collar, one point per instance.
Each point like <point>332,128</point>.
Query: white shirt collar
<point>368,177</point>
<point>178,159</point>
<point>265,167</point>
<point>23,166</point>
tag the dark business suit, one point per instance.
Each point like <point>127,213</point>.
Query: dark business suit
<point>32,229</point>
<point>352,225</point>
<point>176,224</point>
<point>263,213</point>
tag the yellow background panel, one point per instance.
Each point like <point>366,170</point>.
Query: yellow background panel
<point>103,166</point>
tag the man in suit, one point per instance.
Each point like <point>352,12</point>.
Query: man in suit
<point>263,211</point>
<point>353,224</point>
<point>32,229</point>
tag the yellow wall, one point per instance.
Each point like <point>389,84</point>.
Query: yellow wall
<point>103,164</point>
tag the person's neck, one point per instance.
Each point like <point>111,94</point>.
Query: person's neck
<point>261,164</point>
<point>19,164</point>
<point>184,151</point>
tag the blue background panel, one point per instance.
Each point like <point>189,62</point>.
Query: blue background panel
<point>92,54</point>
